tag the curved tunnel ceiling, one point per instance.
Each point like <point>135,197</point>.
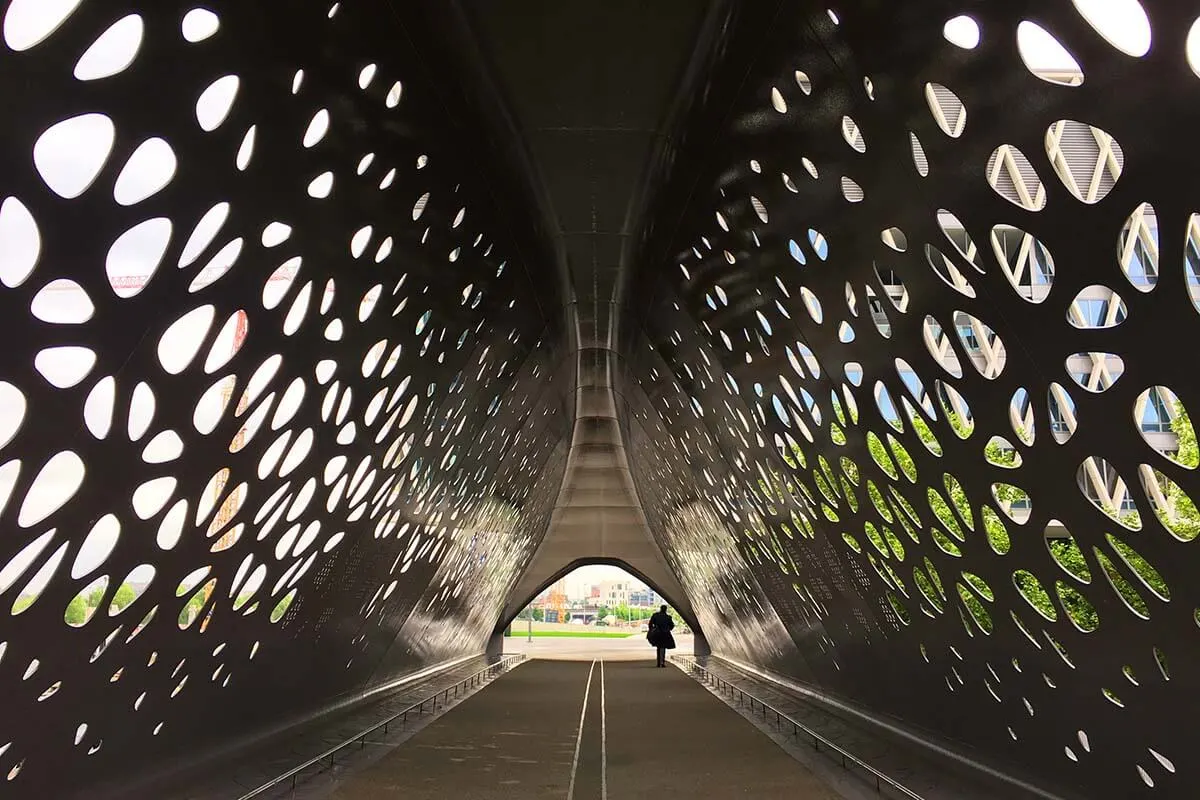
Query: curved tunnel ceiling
<point>848,327</point>
<point>590,89</point>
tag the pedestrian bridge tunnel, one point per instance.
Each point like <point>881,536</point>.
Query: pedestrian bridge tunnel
<point>333,331</point>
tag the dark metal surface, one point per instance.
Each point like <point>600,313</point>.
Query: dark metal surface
<point>435,412</point>
<point>788,565</point>
<point>353,460</point>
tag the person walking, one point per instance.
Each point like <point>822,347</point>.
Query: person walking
<point>660,636</point>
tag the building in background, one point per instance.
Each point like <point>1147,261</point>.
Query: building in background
<point>644,598</point>
<point>615,593</point>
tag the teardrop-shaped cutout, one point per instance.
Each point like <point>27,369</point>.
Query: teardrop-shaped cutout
<point>321,186</point>
<point>318,126</point>
<point>181,342</point>
<point>777,101</point>
<point>163,448</point>
<point>1035,594</point>
<point>70,155</point>
<point>199,24</point>
<point>210,408</point>
<point>947,109</point>
<point>97,546</point>
<point>1065,552</point>
<point>215,102</point>
<point>1124,590</point>
<point>962,31</point>
<point>56,483</point>
<point>98,408</point>
<point>12,413</point>
<point>1095,372</point>
<point>136,254</point>
<point>1061,409</point>
<point>986,348</point>
<point>131,588</point>
<point>1106,489</point>
<point>28,22</point>
<point>1045,57</point>
<point>956,233</point>
<point>920,160</point>
<point>141,411</point>
<point>113,51</point>
<point>62,302</point>
<point>1080,610</point>
<point>1158,413</point>
<point>393,96</point>
<point>1140,567</point>
<point>171,528</point>
<point>282,606</point>
<point>852,191</point>
<point>33,590</point>
<point>83,607</point>
<point>228,342</point>
<point>204,233</point>
<point>1088,177</point>
<point>895,239</point>
<point>64,367</point>
<point>938,344</point>
<point>11,572</point>
<point>148,171</point>
<point>1137,248</point>
<point>1172,506</point>
<point>152,496</point>
<point>1012,177</point>
<point>1122,23</point>
<point>218,265</point>
<point>1096,307</point>
<point>20,243</point>
<point>853,135</point>
<point>946,269</point>
<point>1025,261</point>
<point>1000,452</point>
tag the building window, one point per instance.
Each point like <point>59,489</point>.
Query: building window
<point>1155,417</point>
<point>1143,269</point>
<point>1093,313</point>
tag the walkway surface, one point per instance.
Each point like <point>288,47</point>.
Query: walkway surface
<point>585,731</point>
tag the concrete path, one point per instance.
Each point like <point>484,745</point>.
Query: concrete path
<point>645,733</point>
<point>632,648</point>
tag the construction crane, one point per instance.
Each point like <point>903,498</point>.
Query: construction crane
<point>556,602</point>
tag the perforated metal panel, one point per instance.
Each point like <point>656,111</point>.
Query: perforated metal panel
<point>278,404</point>
<point>902,368</point>
<point>902,328</point>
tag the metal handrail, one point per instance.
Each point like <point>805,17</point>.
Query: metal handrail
<point>417,708</point>
<point>780,717</point>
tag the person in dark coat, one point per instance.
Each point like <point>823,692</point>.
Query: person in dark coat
<point>660,636</point>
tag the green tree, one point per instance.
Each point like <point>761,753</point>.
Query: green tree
<point>1182,518</point>
<point>122,598</point>
<point>77,611</point>
<point>539,615</point>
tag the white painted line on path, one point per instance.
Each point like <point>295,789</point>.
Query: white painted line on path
<point>579,736</point>
<point>603,739</point>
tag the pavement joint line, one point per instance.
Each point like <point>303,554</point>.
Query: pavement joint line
<point>579,736</point>
<point>603,739</point>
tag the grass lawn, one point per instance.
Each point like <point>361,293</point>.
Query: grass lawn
<point>572,634</point>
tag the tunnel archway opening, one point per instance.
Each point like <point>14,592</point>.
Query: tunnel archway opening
<point>662,597</point>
